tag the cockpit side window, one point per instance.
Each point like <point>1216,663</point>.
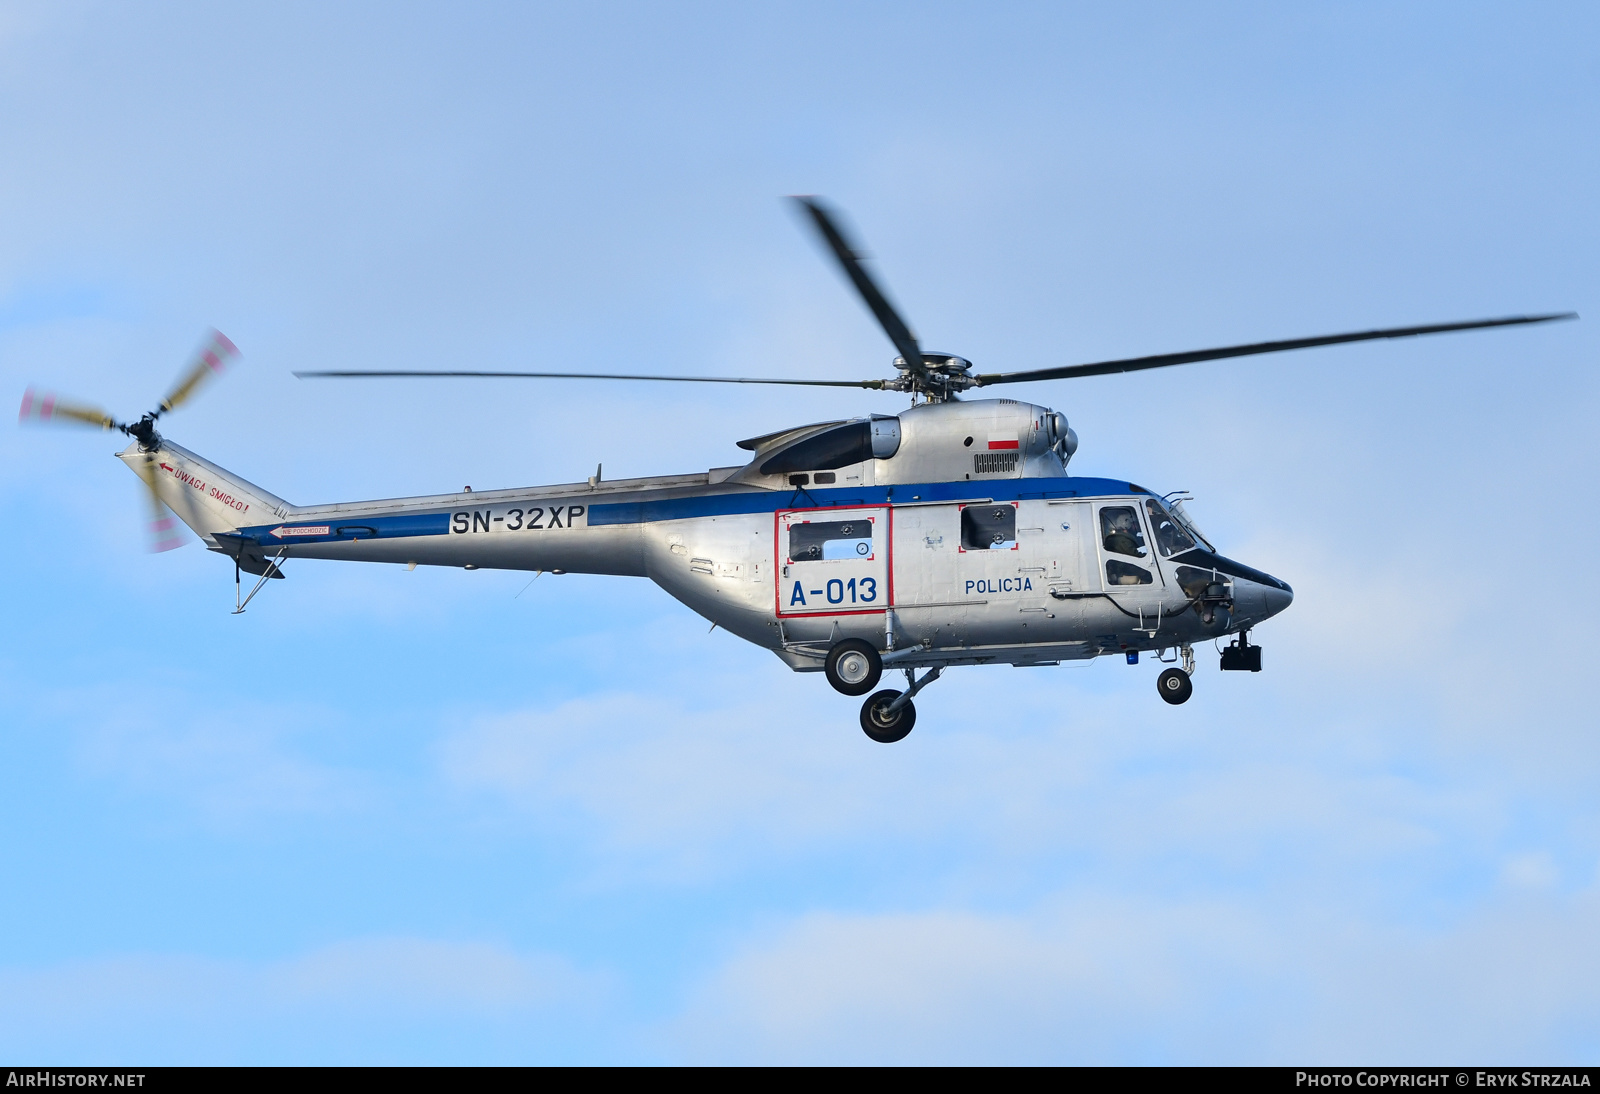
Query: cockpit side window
<point>1120,531</point>
<point>1170,537</point>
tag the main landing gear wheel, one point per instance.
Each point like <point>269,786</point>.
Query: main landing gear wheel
<point>880,725</point>
<point>853,667</point>
<point>1175,686</point>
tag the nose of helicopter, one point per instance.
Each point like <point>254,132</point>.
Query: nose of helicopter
<point>1276,598</point>
<point>1257,594</point>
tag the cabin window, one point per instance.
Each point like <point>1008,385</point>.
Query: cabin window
<point>988,527</point>
<point>825,478</point>
<point>1170,538</point>
<point>1125,573</point>
<point>1120,531</point>
<point>830,539</point>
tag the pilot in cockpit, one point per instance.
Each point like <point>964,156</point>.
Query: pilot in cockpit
<point>1122,535</point>
<point>1169,537</point>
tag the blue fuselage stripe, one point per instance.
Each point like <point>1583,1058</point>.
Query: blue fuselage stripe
<point>397,526</point>
<point>770,501</point>
<point>728,503</point>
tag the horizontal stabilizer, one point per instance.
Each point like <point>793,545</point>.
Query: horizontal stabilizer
<point>245,551</point>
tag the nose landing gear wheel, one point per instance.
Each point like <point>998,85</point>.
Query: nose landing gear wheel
<point>880,725</point>
<point>1175,686</point>
<point>853,667</point>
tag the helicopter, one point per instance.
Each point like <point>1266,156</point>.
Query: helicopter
<point>949,534</point>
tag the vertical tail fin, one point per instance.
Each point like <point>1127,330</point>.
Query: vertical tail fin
<point>203,495</point>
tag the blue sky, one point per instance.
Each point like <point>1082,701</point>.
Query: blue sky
<point>418,817</point>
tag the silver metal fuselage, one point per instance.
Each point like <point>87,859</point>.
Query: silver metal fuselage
<point>887,550</point>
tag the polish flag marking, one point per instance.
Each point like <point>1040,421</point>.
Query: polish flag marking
<point>1001,444</point>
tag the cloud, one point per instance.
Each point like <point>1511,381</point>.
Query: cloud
<point>1531,870</point>
<point>363,999</point>
<point>659,778</point>
<point>1101,979</point>
<point>1063,772</point>
<point>228,769</point>
<point>930,987</point>
<point>228,758</point>
<point>427,975</point>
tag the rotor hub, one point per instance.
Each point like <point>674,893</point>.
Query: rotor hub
<point>144,431</point>
<point>941,376</point>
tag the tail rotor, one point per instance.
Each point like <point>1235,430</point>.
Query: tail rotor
<point>215,355</point>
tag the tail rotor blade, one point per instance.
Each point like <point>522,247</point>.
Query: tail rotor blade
<point>163,531</point>
<point>215,356</point>
<point>41,406</point>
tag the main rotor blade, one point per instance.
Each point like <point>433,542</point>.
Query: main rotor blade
<point>850,259</point>
<point>1162,360</point>
<point>214,356</point>
<point>353,374</point>
<point>41,406</point>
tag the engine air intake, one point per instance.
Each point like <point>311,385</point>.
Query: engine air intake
<point>994,463</point>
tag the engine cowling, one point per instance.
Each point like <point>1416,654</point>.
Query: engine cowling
<point>1062,437</point>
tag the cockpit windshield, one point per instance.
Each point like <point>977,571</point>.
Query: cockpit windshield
<point>1172,534</point>
<point>1186,522</point>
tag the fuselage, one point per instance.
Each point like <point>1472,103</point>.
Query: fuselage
<point>950,534</point>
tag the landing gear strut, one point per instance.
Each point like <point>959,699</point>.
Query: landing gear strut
<point>889,715</point>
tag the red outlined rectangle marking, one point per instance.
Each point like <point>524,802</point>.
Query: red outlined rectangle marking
<point>779,556</point>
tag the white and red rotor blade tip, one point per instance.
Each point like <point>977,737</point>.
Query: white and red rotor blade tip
<point>42,406</point>
<point>215,356</point>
